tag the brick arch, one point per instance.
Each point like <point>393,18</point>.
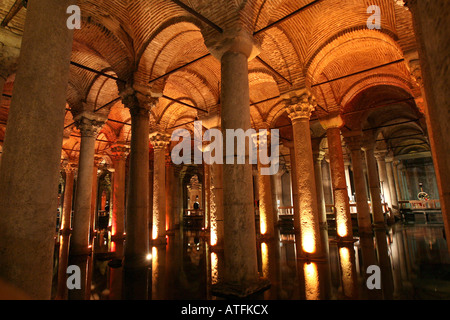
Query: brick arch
<point>176,41</point>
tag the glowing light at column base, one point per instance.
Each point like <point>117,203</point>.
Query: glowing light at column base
<point>263,223</point>
<point>154,232</point>
<point>308,241</point>
<point>265,260</point>
<point>214,268</point>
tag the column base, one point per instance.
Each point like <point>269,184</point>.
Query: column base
<point>228,290</point>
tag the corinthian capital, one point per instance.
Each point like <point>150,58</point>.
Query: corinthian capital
<point>89,123</point>
<point>299,104</point>
<point>139,99</point>
<point>159,140</point>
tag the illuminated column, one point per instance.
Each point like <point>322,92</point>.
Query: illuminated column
<point>374,183</point>
<point>380,157</point>
<point>332,125</point>
<point>234,48</point>
<point>32,149</point>
<point>266,206</point>
<point>66,216</point>
<point>391,182</point>
<point>347,165</point>
<point>216,205</point>
<point>159,141</point>
<point>119,155</point>
<point>94,195</point>
<point>318,157</point>
<point>299,106</point>
<point>137,241</point>
<point>353,141</point>
<point>80,250</point>
<point>89,125</point>
<point>295,201</point>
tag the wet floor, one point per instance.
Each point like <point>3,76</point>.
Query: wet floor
<point>406,261</point>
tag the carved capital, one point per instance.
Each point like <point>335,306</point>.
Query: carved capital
<point>139,99</point>
<point>119,151</point>
<point>69,166</point>
<point>159,140</point>
<point>234,39</point>
<point>380,155</point>
<point>299,104</point>
<point>89,123</point>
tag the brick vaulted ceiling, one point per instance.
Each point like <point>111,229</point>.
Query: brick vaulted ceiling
<point>141,40</point>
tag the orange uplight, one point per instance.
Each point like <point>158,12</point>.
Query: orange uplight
<point>308,241</point>
<point>265,259</point>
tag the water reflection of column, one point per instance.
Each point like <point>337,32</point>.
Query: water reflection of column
<point>158,272</point>
<point>387,284</point>
<point>348,271</point>
<point>270,255</point>
<point>64,240</point>
<point>368,259</point>
<point>115,270</point>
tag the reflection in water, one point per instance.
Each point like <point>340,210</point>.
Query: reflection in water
<point>413,260</point>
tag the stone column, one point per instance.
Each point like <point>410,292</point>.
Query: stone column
<point>216,205</point>
<point>374,183</point>
<point>430,19</point>
<point>391,182</point>
<point>332,124</point>
<point>137,241</point>
<point>159,141</point>
<point>299,106</point>
<point>295,200</point>
<point>119,155</point>
<point>70,169</point>
<point>353,142</point>
<point>380,156</point>
<point>347,166</point>
<point>234,48</point>
<point>318,156</point>
<point>89,125</point>
<point>397,179</point>
<point>94,198</point>
<point>266,205</point>
<point>33,140</point>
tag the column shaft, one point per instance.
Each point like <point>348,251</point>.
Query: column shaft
<point>266,214</point>
<point>33,150</point>
<point>374,186</point>
<point>239,220</point>
<point>118,201</point>
<point>340,193</point>
<point>68,199</point>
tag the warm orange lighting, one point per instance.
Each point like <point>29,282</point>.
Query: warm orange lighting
<point>347,271</point>
<point>265,259</point>
<point>113,246</point>
<point>308,241</point>
<point>263,223</point>
<point>312,289</point>
<point>214,268</point>
<point>154,232</point>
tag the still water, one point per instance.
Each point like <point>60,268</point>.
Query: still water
<point>413,261</point>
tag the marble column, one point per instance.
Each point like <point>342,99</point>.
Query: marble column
<point>66,217</point>
<point>380,156</point>
<point>299,105</point>
<point>159,141</point>
<point>94,198</point>
<point>119,155</point>
<point>216,206</point>
<point>33,140</point>
<point>332,124</point>
<point>353,142</point>
<point>398,180</point>
<point>294,185</point>
<point>391,182</point>
<point>374,182</point>
<point>137,213</point>
<point>318,156</point>
<point>430,19</point>
<point>234,48</point>
<point>266,206</point>
<point>89,125</point>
